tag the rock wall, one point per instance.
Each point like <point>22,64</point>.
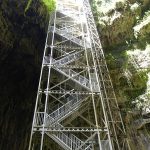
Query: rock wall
<point>22,38</point>
<point>124,31</point>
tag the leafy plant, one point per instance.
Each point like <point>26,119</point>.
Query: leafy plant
<point>49,4</point>
<point>28,5</point>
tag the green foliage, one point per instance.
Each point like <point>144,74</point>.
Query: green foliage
<point>111,61</point>
<point>49,4</point>
<point>28,6</point>
<point>139,85</point>
<point>116,59</point>
<point>123,82</point>
<point>134,93</point>
<point>142,79</point>
<point>119,6</point>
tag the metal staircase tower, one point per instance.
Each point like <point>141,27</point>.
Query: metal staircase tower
<point>76,108</point>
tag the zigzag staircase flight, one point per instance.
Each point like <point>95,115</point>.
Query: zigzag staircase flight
<point>70,141</point>
<point>70,82</point>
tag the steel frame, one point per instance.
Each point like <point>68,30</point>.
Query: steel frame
<point>76,107</point>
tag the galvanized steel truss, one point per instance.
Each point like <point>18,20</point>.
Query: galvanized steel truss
<point>76,108</point>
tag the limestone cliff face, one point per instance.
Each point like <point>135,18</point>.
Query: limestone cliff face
<point>22,38</point>
<point>124,28</point>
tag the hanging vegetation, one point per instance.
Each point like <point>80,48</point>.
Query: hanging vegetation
<point>48,4</point>
<point>28,5</point>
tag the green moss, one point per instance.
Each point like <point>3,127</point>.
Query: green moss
<point>139,85</point>
<point>143,77</point>
<point>116,59</point>
<point>49,4</point>
<point>134,93</point>
<point>111,61</point>
<point>28,6</point>
<point>123,82</point>
<point>120,6</point>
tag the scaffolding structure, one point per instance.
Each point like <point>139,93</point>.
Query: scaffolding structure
<point>76,108</point>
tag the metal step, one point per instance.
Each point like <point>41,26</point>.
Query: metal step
<point>69,58</point>
<point>66,58</point>
<point>81,110</point>
<point>68,141</point>
<point>72,74</point>
<point>69,36</point>
<point>84,82</point>
<point>69,11</point>
<point>64,111</point>
<point>72,14</point>
<point>65,143</point>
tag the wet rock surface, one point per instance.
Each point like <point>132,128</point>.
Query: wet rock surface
<point>22,38</point>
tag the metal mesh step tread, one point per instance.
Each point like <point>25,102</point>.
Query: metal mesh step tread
<point>65,60</point>
<point>71,37</point>
<point>84,82</point>
<point>70,12</point>
<point>69,142</point>
<point>65,110</point>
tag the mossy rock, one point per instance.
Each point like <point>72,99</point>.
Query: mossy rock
<point>120,6</point>
<point>144,35</point>
<point>46,5</point>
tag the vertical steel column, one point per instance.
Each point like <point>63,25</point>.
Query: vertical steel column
<point>72,86</point>
<point>38,92</point>
<point>104,76</point>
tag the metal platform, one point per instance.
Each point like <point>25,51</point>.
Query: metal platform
<point>76,108</point>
